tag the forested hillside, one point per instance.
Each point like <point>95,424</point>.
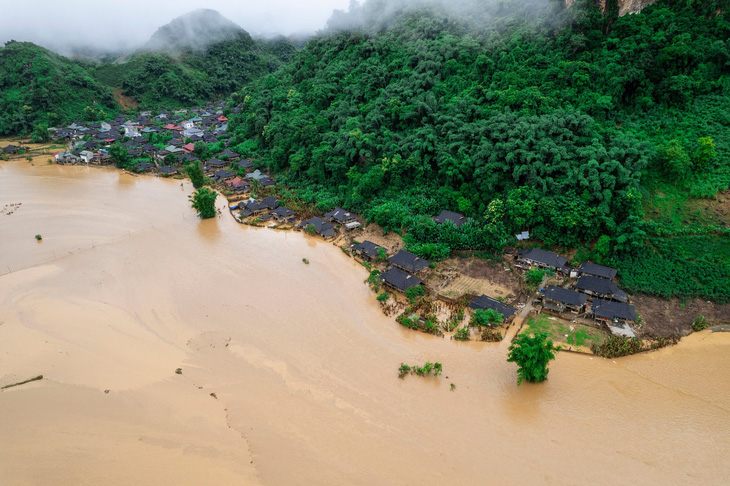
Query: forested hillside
<point>194,76</point>
<point>523,116</point>
<point>38,88</point>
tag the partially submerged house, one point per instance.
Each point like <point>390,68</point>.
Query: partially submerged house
<point>535,257</point>
<point>595,270</point>
<point>399,279</point>
<point>367,250</point>
<point>617,316</point>
<point>255,207</point>
<point>409,262</point>
<point>559,299</point>
<point>284,215</point>
<point>457,219</point>
<point>484,302</point>
<point>600,287</point>
<point>167,170</point>
<point>143,166</point>
<point>322,227</point>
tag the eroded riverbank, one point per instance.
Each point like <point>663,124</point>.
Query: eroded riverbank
<point>128,285</point>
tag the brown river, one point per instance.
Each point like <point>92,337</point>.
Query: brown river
<point>289,371</point>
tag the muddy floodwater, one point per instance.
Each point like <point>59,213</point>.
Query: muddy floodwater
<point>289,371</point>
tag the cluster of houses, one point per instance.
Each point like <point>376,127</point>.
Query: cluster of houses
<point>594,291</point>
<point>185,127</point>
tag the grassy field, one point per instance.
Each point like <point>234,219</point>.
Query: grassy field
<point>562,331</point>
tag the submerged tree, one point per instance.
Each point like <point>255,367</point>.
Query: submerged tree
<point>204,202</point>
<point>532,354</point>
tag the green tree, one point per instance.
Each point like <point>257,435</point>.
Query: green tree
<point>675,160</point>
<point>705,153</point>
<point>485,317</point>
<point>532,355</point>
<point>195,172</point>
<point>40,133</point>
<point>203,201</point>
<point>413,293</point>
<point>120,155</point>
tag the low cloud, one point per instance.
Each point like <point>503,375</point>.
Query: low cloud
<point>74,25</point>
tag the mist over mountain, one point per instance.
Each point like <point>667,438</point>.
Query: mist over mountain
<point>193,31</point>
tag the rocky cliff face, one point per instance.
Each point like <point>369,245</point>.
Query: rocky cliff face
<point>624,6</point>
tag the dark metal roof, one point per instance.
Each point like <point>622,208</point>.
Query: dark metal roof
<point>613,310</point>
<point>216,163</point>
<point>597,270</point>
<point>456,218</point>
<point>270,202</point>
<point>368,247</point>
<point>570,297</point>
<point>545,257</point>
<point>283,212</point>
<point>319,224</point>
<point>483,302</point>
<point>340,215</point>
<point>409,261</point>
<point>601,286</point>
<point>400,279</point>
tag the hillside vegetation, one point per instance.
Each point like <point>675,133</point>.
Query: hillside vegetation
<point>40,88</point>
<point>522,116</point>
<point>187,77</point>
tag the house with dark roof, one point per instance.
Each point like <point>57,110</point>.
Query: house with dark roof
<point>607,310</point>
<point>143,166</point>
<point>399,279</point>
<point>456,218</point>
<point>409,262</point>
<point>223,174</point>
<point>245,163</point>
<point>12,149</point>
<point>214,164</point>
<point>618,317</point>
<point>230,154</point>
<point>600,287</point>
<point>339,215</point>
<point>367,250</point>
<point>559,299</point>
<point>322,227</point>
<point>483,303</point>
<point>543,259</point>
<point>284,215</point>
<point>256,207</point>
<point>167,170</point>
<point>595,270</point>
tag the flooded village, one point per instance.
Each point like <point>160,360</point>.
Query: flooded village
<point>209,351</point>
<point>469,296</point>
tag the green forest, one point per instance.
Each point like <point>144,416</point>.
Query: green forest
<point>161,80</point>
<point>596,133</point>
<point>40,88</point>
<point>565,122</point>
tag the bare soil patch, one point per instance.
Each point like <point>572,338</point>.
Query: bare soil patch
<point>476,276</point>
<point>664,317</point>
<point>125,102</point>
